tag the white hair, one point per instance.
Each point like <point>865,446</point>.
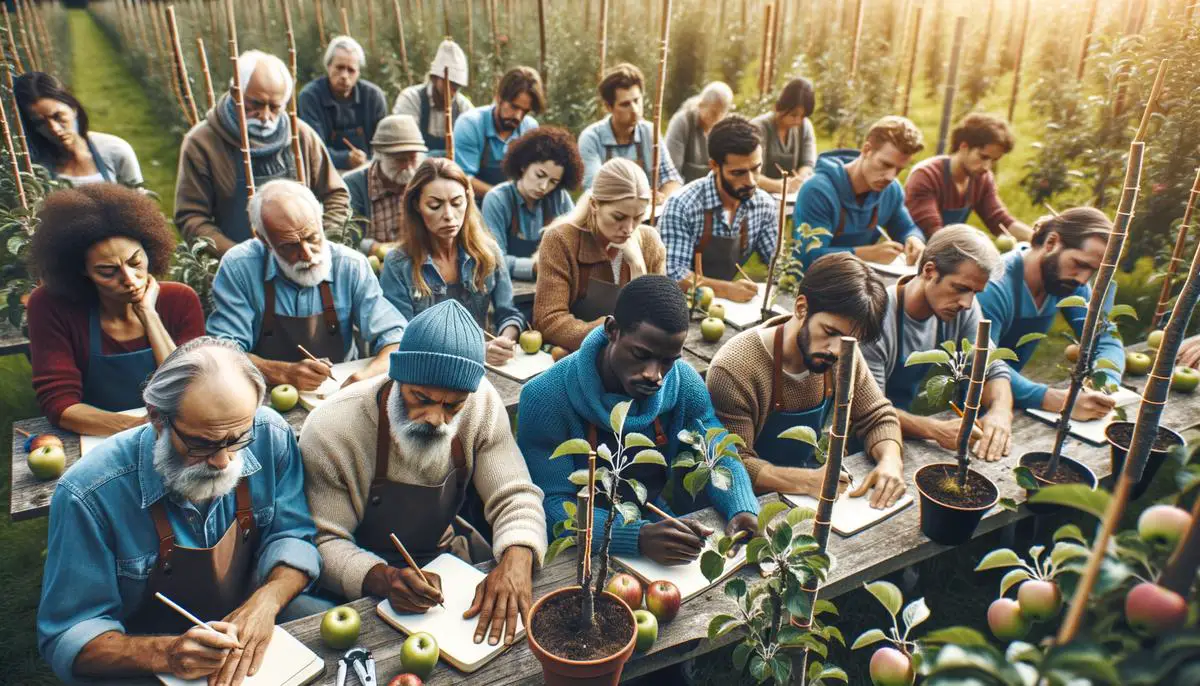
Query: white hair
<point>349,45</point>
<point>191,361</point>
<point>275,188</point>
<point>251,60</point>
<point>716,94</point>
<point>955,244</point>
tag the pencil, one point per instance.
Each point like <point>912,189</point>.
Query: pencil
<point>412,563</point>
<point>1004,230</point>
<point>743,272</point>
<point>487,334</point>
<point>960,414</point>
<point>658,511</point>
<point>883,233</point>
<point>313,357</point>
<point>21,431</point>
<point>187,615</point>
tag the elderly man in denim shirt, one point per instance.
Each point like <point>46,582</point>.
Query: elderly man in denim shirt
<point>204,504</point>
<point>291,287</point>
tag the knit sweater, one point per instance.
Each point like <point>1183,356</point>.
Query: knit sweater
<point>740,380</point>
<point>564,249</point>
<point>563,401</point>
<point>338,443</point>
<point>926,194</point>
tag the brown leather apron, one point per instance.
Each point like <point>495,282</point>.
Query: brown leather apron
<point>320,334</point>
<point>717,256</point>
<point>653,477</point>
<point>594,297</point>
<point>424,518</point>
<point>841,227</point>
<point>210,582</point>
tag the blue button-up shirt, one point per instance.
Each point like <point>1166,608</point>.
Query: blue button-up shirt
<point>476,128</point>
<point>502,202</point>
<point>597,142</point>
<point>238,298</point>
<point>397,281</point>
<point>102,544</point>
<point>682,223</point>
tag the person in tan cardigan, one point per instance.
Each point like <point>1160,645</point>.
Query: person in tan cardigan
<point>587,256</point>
<point>778,375</point>
<point>210,191</point>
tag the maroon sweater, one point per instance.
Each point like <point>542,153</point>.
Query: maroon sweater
<point>59,341</point>
<point>926,193</point>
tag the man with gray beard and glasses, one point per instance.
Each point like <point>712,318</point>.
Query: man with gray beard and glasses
<point>290,287</point>
<point>397,455</point>
<point>204,504</point>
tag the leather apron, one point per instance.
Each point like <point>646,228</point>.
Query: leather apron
<point>436,144</point>
<point>518,246</point>
<point>782,451</point>
<point>491,171</point>
<point>904,382</point>
<point>641,157</point>
<point>653,477</point>
<point>210,582</point>
<point>114,382</point>
<point>959,215</point>
<point>716,256</point>
<point>231,216</point>
<point>871,225</point>
<point>596,298</point>
<point>320,334</point>
<point>424,518</point>
<point>1021,324</point>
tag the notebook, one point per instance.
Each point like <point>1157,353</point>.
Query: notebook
<point>1093,431</point>
<point>455,636</point>
<point>341,372</point>
<point>523,366</point>
<point>852,515</point>
<point>747,314</point>
<point>287,663</point>
<point>88,443</point>
<point>898,267</point>
<point>688,578</point>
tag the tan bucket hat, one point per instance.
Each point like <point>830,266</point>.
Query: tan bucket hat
<point>398,133</point>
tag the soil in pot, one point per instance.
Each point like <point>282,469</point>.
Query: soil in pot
<point>942,484</point>
<point>1063,474</point>
<point>1122,435</point>
<point>559,630</point>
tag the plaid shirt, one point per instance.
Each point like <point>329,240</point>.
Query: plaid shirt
<point>682,223</point>
<point>387,206</point>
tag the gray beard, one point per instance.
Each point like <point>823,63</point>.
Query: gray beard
<point>306,274</point>
<point>420,445</point>
<point>198,483</point>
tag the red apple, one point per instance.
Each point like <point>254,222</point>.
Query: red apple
<point>1039,600</point>
<point>406,680</point>
<point>1163,524</point>
<point>1154,610</point>
<point>890,667</point>
<point>663,600</point>
<point>627,588</point>
<point>38,440</point>
<point>1005,620</point>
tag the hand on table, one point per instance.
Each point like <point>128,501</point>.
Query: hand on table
<point>997,436</point>
<point>199,652</point>
<point>307,375</point>
<point>499,350</point>
<point>946,433</point>
<point>673,542</point>
<point>885,252</point>
<point>742,522</point>
<point>506,591</point>
<point>255,625</point>
<point>887,479</point>
<point>1089,404</point>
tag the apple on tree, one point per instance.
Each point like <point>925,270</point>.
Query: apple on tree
<point>663,600</point>
<point>284,397</point>
<point>1039,599</point>
<point>340,627</point>
<point>627,588</point>
<point>1163,524</point>
<point>419,654</point>
<point>1154,610</point>
<point>647,629</point>
<point>1005,620</point>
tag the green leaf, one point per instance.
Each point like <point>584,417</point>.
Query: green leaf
<point>1008,504</point>
<point>639,490</point>
<point>835,634</point>
<point>996,559</point>
<point>634,439</point>
<point>629,511</point>
<point>695,481</point>
<point>870,637</point>
<point>604,453</point>
<point>1013,578</point>
<point>1029,338</point>
<point>616,418</point>
<point>1078,496</point>
<point>722,478</point>
<point>804,434</point>
<point>768,513</point>
<point>939,390</point>
<point>1069,532</point>
<point>798,515</point>
<point>834,673</point>
<point>712,565</point>
<point>575,446</point>
<point>650,457</point>
<point>688,437</point>
<point>928,357</point>
<point>741,655</point>
<point>1072,301</point>
<point>557,546</point>
<point>684,461</point>
<point>1002,354</point>
<point>1026,479</point>
<point>735,588</point>
<point>579,477</point>
<point>798,605</point>
<point>759,669</point>
<point>754,550</point>
<point>887,594</point>
<point>958,635</point>
<point>824,607</point>
<point>1105,363</point>
<point>915,613</point>
<point>1122,310</point>
<point>1065,551</point>
<point>720,625</point>
<point>726,445</point>
<point>713,434</point>
<point>781,538</point>
<point>570,509</point>
<point>781,667</point>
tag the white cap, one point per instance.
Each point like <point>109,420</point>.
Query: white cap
<point>450,56</point>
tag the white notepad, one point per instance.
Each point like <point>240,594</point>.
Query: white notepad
<point>898,267</point>
<point>455,636</point>
<point>341,372</point>
<point>287,663</point>
<point>688,578</point>
<point>88,443</point>
<point>523,366</point>
<point>747,314</point>
<point>1093,431</point>
<point>852,515</point>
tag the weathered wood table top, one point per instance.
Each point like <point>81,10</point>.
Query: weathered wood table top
<point>13,341</point>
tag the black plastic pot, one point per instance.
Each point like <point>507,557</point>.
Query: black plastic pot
<point>951,524</point>
<point>1152,463</point>
<point>1074,465</point>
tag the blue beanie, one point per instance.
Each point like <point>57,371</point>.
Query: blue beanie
<point>442,347</point>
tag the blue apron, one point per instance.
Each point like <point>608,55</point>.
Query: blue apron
<point>491,171</point>
<point>101,166</point>
<point>1021,325</point>
<point>954,216</point>
<point>904,382</point>
<point>114,382</point>
<point>783,451</point>
<point>518,245</point>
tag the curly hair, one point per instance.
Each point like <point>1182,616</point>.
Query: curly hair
<point>899,131</point>
<point>72,220</point>
<point>542,144</point>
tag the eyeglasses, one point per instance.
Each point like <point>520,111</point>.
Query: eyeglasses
<point>199,447</point>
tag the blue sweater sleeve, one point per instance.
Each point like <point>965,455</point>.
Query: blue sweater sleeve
<point>1107,345</point>
<point>900,224</point>
<point>995,303</point>
<point>815,208</point>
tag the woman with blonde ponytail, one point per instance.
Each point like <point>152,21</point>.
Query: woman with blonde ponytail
<point>586,256</point>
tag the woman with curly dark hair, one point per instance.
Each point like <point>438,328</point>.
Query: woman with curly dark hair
<point>101,323</point>
<point>541,166</point>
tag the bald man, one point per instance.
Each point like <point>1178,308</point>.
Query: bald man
<point>211,190</point>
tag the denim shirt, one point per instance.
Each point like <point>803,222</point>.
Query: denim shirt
<point>396,279</point>
<point>476,128</point>
<point>502,202</point>
<point>239,301</point>
<point>102,544</point>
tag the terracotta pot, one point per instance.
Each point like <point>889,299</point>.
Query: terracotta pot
<point>951,524</point>
<point>559,671</point>
<point>1153,462</point>
<point>1074,465</point>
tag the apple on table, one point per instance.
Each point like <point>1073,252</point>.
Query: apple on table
<point>647,629</point>
<point>1138,364</point>
<point>1185,379</point>
<point>530,341</point>
<point>627,588</point>
<point>406,680</point>
<point>419,654</point>
<point>711,329</point>
<point>47,461</point>
<point>340,627</point>
<point>663,600</point>
<point>284,397</point>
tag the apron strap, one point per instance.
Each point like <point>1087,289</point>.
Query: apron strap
<point>949,187</point>
<point>641,158</point>
<point>331,318</point>
<point>245,508</point>
<point>585,275</point>
<point>383,434</point>
<point>702,244</point>
<point>166,535</point>
<point>514,227</point>
<point>268,320</point>
<point>841,227</point>
<point>459,460</point>
<point>744,240</point>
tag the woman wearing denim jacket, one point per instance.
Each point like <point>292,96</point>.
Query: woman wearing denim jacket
<point>444,252</point>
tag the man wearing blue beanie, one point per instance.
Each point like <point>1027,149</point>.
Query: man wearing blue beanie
<point>396,454</point>
<point>634,356</point>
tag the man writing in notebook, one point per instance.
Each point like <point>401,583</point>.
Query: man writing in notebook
<point>204,504</point>
<point>396,455</point>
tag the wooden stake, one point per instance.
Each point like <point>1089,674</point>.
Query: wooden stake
<point>293,115</point>
<point>403,47</point>
<point>904,38</point>
<point>767,299</point>
<point>371,27</point>
<point>492,11</point>
<point>181,68</point>
<point>764,51</point>
<point>214,23</point>
<point>14,56</point>
<point>912,58</point>
<point>471,28</point>
<point>43,55</point>
<point>541,9</point>
<point>960,25</point>
<point>448,108</point>
<point>858,26</point>
<point>172,71</point>
<point>208,82</point>
<point>776,29</point>
<point>1016,88</point>
<point>345,23</point>
<point>321,23</point>
<point>12,160</point>
<point>659,87</point>
<point>239,99</point>
<point>17,123</point>
<point>1181,239</point>
<point>603,39</point>
<point>40,28</point>
<point>446,18</point>
<point>34,62</point>
<point>974,393</point>
<point>1087,41</point>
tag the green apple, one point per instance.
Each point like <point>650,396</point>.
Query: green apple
<point>1163,524</point>
<point>711,329</point>
<point>1072,353</point>
<point>340,626</point>
<point>284,397</point>
<point>376,265</point>
<point>419,654</point>
<point>1155,339</point>
<point>47,462</point>
<point>704,297</point>
<point>716,310</point>
<point>1005,242</point>
<point>380,251</point>
<point>1184,379</point>
<point>531,341</point>
<point>1138,364</point>
<point>647,629</point>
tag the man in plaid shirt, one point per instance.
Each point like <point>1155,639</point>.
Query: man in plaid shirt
<point>377,190</point>
<point>697,223</point>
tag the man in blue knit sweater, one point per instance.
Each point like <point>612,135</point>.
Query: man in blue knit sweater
<point>632,357</point>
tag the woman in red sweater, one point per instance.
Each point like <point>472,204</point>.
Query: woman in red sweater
<point>101,323</point>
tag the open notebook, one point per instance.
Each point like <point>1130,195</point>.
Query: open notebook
<point>1093,431</point>
<point>287,663</point>
<point>688,578</point>
<point>852,515</point>
<point>744,315</point>
<point>898,267</point>
<point>523,366</point>
<point>341,372</point>
<point>455,636</point>
<point>87,443</point>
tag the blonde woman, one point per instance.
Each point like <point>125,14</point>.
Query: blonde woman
<point>445,252</point>
<point>588,255</point>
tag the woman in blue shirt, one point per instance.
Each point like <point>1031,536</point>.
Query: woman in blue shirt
<point>541,165</point>
<point>444,252</point>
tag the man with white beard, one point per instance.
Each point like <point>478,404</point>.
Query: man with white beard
<point>377,191</point>
<point>204,504</point>
<point>291,287</point>
<point>397,454</point>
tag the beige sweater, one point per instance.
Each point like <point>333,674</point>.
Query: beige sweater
<point>740,379</point>
<point>338,444</point>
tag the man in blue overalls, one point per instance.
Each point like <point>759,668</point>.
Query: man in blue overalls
<point>1066,251</point>
<point>481,136</point>
<point>779,375</point>
<point>923,311</point>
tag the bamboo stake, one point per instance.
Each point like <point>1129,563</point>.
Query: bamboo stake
<point>960,25</point>
<point>904,38</point>
<point>137,21</point>
<point>345,23</point>
<point>12,45</point>
<point>300,6</point>
<point>974,393</point>
<point>603,39</point>
<point>1180,571</point>
<point>492,10</point>
<point>43,55</point>
<point>40,28</point>
<point>767,298</point>
<point>471,28</point>
<point>659,87</point>
<point>912,58</point>
<point>858,26</point>
<point>18,125</point>
<point>541,11</point>
<point>371,27</point>
<point>172,72</point>
<point>1016,89</point>
<point>34,62</point>
<point>403,47</point>
<point>208,82</point>
<point>262,14</point>
<point>321,22</point>
<point>984,44</point>
<point>764,51</point>
<point>181,68</point>
<point>1181,238</point>
<point>586,562</point>
<point>293,115</point>
<point>12,160</point>
<point>239,100</point>
<point>776,29</point>
<point>449,111</point>
<point>214,24</point>
<point>1087,41</point>
<point>446,18</point>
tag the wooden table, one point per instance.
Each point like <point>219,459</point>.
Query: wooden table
<point>13,341</point>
